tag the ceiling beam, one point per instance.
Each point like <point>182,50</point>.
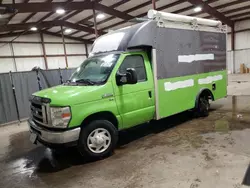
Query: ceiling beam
<point>69,37</point>
<point>78,27</point>
<point>232,11</point>
<point>208,9</point>
<point>191,7</point>
<point>242,19</point>
<point>105,20</point>
<point>113,12</point>
<point>26,26</point>
<point>141,15</point>
<point>222,6</point>
<point>128,11</point>
<point>48,6</point>
<point>45,32</point>
<point>15,34</point>
<point>112,6</point>
<point>239,15</point>
<point>236,10</point>
<point>28,17</point>
<point>85,5</point>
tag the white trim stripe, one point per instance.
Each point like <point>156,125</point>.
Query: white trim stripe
<point>210,79</point>
<point>170,86</point>
<point>196,57</point>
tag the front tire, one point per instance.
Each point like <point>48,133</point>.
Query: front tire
<point>98,139</point>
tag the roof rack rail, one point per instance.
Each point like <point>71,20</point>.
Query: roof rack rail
<point>153,14</point>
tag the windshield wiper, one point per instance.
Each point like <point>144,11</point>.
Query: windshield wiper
<point>87,81</point>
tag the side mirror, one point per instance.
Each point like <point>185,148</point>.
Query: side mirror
<point>129,78</point>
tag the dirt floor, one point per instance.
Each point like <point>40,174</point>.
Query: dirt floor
<point>176,152</point>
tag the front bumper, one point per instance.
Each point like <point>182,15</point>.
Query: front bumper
<point>47,137</point>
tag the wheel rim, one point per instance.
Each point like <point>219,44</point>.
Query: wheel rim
<point>99,140</point>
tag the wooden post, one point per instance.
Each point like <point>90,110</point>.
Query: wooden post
<point>64,47</point>
<point>44,51</point>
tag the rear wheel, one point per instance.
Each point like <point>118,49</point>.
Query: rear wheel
<point>98,139</point>
<point>203,106</point>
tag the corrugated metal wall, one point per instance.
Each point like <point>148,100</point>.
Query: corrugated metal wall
<point>25,83</point>
<point>75,49</point>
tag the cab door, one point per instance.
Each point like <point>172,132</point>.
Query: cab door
<point>135,102</point>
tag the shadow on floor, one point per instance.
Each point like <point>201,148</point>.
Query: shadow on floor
<point>52,161</point>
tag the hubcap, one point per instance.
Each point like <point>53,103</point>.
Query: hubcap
<point>99,140</point>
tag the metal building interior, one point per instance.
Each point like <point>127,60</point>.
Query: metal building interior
<point>55,37</point>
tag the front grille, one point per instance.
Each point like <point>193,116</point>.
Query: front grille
<point>39,113</point>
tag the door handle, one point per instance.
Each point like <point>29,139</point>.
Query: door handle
<point>150,94</point>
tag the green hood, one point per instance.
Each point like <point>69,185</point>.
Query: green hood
<point>65,95</point>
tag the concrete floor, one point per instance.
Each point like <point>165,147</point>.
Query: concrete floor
<point>239,84</point>
<point>177,152</point>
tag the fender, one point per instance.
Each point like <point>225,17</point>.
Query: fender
<point>205,91</point>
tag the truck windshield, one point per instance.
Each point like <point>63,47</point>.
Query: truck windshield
<point>95,70</point>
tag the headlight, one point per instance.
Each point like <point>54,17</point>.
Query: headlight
<point>60,117</point>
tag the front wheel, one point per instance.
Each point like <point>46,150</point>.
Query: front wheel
<point>98,139</point>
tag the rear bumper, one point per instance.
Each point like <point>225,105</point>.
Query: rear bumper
<point>47,137</point>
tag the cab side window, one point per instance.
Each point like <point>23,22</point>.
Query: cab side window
<point>136,62</point>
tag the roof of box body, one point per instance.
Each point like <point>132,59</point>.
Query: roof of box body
<point>141,34</point>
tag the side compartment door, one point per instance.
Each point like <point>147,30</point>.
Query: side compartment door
<point>135,102</point>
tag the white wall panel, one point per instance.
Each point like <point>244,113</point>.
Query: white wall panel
<point>49,38</point>
<point>54,49</point>
<point>70,40</point>
<point>242,47</point>
<point>75,48</point>
<point>56,62</point>
<point>27,49</point>
<point>6,65</point>
<point>242,56</point>
<point>75,61</point>
<point>5,50</point>
<point>242,25</point>
<point>230,62</point>
<point>242,40</point>
<point>89,46</point>
<point>26,64</point>
<point>30,38</point>
<point>7,38</point>
<point>229,42</point>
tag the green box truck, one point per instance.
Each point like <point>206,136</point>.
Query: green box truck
<point>151,70</point>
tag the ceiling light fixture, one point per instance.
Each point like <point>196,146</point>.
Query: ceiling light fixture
<point>100,16</point>
<point>60,11</point>
<point>67,30</point>
<point>33,28</point>
<point>197,9</point>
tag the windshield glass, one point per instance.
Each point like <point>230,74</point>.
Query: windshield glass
<point>95,70</point>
